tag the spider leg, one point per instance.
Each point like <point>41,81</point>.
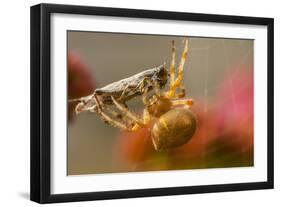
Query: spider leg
<point>144,97</point>
<point>146,116</point>
<point>146,102</point>
<point>178,82</point>
<point>173,63</point>
<point>182,92</point>
<point>156,88</point>
<point>186,102</point>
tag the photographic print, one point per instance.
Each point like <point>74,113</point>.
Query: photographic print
<point>132,103</point>
<point>139,102</point>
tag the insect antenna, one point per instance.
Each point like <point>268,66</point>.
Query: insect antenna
<point>75,100</point>
<point>80,99</point>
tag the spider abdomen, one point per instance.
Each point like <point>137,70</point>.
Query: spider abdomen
<point>173,129</point>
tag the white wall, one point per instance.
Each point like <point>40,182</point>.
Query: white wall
<point>14,105</point>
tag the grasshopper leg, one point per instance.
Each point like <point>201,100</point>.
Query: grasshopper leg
<point>127,112</point>
<point>107,119</point>
<point>124,93</point>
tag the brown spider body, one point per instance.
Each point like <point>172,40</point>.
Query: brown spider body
<point>173,129</point>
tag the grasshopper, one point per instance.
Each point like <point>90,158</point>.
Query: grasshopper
<point>122,90</point>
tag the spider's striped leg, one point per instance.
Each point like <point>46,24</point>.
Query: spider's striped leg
<point>178,82</point>
<point>181,93</point>
<point>146,102</point>
<point>155,86</point>
<point>144,97</point>
<point>173,64</point>
<point>186,102</point>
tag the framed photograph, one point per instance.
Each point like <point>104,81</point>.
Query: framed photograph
<point>133,103</point>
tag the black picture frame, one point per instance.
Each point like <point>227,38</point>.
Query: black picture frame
<point>40,184</point>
